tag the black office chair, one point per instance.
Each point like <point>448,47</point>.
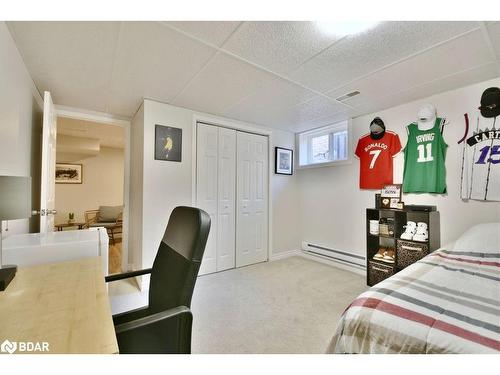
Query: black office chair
<point>164,326</point>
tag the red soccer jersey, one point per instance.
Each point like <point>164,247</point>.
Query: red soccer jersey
<point>375,157</point>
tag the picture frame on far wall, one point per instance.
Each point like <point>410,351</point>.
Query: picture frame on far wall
<point>168,143</point>
<point>69,173</point>
<point>283,161</point>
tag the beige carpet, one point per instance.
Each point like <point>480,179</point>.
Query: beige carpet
<point>286,306</point>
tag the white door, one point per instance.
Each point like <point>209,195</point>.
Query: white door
<point>252,199</point>
<point>206,189</point>
<point>48,184</point>
<point>226,223</point>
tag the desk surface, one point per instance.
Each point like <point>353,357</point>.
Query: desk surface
<point>65,304</point>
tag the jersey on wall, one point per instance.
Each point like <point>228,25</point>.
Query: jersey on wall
<point>424,166</point>
<point>480,178</point>
<point>376,157</point>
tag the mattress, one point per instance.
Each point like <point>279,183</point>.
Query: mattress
<point>448,302</point>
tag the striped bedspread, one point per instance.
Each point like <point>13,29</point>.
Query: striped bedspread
<point>448,302</point>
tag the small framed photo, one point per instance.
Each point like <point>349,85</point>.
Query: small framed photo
<point>69,173</point>
<point>168,143</point>
<point>284,161</point>
<point>391,196</point>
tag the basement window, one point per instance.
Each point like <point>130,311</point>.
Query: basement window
<point>324,146</point>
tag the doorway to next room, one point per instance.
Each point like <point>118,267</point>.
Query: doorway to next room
<point>89,191</point>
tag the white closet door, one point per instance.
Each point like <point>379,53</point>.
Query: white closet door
<point>226,226</point>
<point>206,189</point>
<point>252,199</point>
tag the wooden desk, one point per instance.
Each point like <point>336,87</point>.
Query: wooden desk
<point>65,304</point>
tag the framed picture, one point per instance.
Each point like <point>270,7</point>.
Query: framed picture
<point>284,161</point>
<point>391,196</point>
<point>168,143</point>
<point>69,174</point>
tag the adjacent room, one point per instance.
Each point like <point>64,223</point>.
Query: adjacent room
<point>263,187</point>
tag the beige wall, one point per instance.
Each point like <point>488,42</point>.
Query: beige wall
<point>20,124</point>
<point>169,184</point>
<point>332,207</point>
<point>102,185</point>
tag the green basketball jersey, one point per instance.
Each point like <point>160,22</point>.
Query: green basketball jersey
<point>425,152</point>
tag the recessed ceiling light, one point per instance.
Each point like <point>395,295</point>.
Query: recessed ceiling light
<point>342,28</point>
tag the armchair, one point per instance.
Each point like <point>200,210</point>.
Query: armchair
<point>108,217</point>
<point>164,326</point>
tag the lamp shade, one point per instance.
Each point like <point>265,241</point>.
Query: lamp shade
<point>15,197</point>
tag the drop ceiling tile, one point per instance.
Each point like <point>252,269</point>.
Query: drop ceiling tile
<point>431,65</point>
<point>453,82</point>
<point>72,60</point>
<point>359,54</point>
<point>278,46</point>
<point>269,103</point>
<point>213,32</point>
<point>223,82</point>
<point>153,61</point>
<point>319,122</point>
<point>494,32</point>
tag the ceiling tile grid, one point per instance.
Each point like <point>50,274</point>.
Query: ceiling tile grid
<point>153,61</point>
<point>460,54</point>
<point>280,46</point>
<point>215,33</point>
<point>222,82</point>
<point>269,73</point>
<point>360,54</point>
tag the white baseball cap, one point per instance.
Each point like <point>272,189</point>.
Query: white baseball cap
<point>427,116</point>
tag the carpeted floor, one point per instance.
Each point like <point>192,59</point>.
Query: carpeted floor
<point>286,306</point>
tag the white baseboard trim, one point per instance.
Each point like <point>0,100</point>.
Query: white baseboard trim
<point>284,254</point>
<point>332,262</point>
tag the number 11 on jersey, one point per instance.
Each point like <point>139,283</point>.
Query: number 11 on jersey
<point>425,153</point>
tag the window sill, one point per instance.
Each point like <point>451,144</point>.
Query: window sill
<point>327,164</point>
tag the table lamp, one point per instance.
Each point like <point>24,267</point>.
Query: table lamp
<point>15,203</point>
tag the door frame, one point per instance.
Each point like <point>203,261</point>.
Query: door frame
<point>244,127</point>
<point>108,119</point>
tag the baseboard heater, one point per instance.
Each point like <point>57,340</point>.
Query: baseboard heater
<point>342,257</point>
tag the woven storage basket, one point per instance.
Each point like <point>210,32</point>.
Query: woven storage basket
<point>409,252</point>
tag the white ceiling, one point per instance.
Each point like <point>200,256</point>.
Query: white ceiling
<point>280,74</point>
<point>107,135</point>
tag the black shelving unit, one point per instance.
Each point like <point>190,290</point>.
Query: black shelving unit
<point>409,250</point>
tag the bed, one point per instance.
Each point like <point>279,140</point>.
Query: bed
<point>448,302</point>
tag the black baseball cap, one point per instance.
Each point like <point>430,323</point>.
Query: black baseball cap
<point>490,102</point>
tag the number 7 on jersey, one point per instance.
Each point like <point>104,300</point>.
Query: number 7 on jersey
<point>375,154</point>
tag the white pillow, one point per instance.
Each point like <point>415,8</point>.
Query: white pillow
<point>481,238</point>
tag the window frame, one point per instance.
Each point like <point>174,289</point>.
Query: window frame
<point>330,130</point>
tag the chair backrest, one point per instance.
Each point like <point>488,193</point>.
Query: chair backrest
<point>178,260</point>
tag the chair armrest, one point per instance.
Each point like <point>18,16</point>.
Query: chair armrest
<point>150,319</point>
<point>127,275</point>
<point>167,331</point>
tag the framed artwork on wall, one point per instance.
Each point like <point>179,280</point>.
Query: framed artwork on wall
<point>168,143</point>
<point>69,173</point>
<point>284,161</point>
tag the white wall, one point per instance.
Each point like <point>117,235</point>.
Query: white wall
<point>332,207</point>
<point>169,184</point>
<point>102,185</point>
<point>20,120</point>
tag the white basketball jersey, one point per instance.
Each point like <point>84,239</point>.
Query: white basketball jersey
<point>480,178</point>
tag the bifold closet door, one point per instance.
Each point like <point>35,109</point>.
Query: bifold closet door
<point>226,223</point>
<point>251,199</point>
<point>206,189</point>
<point>216,194</point>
